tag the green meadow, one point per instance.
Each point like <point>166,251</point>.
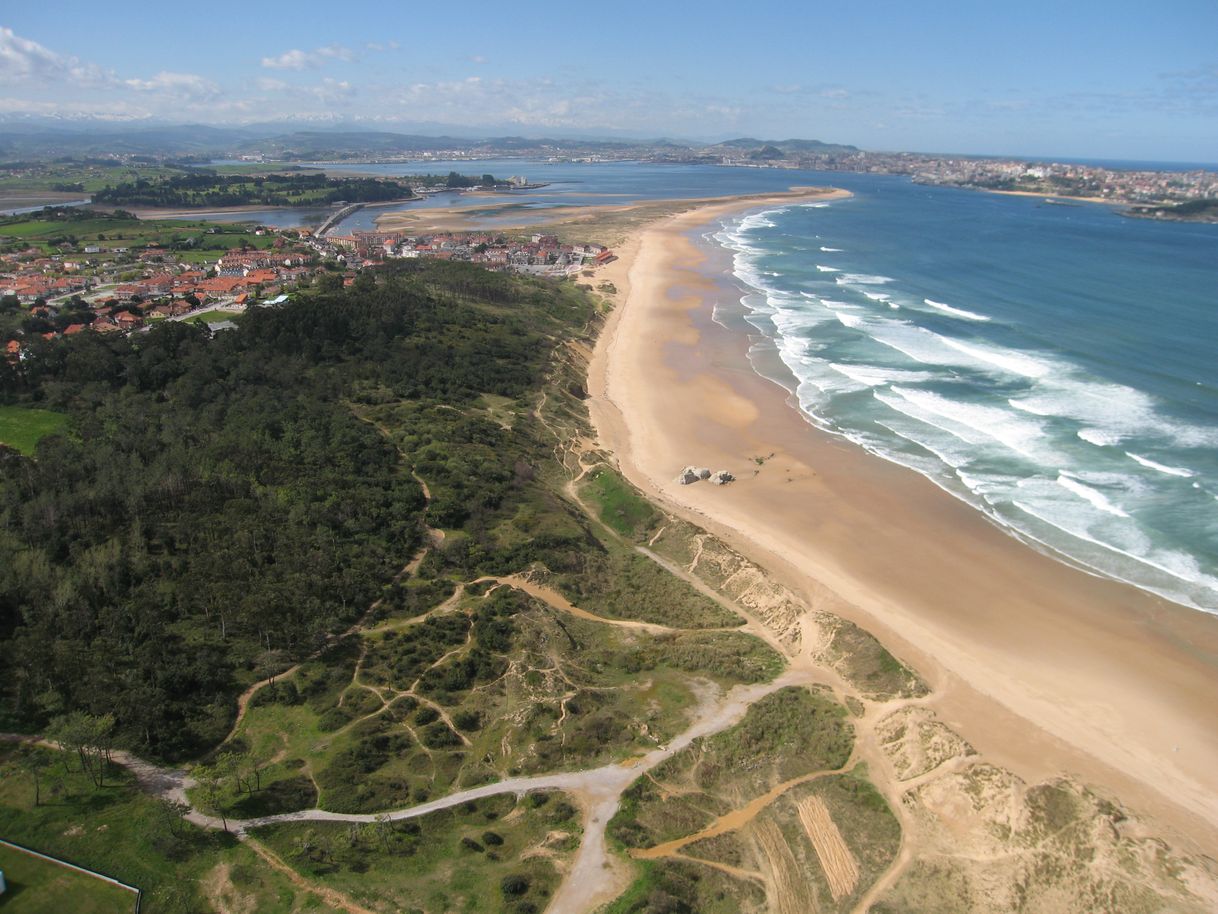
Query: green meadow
<point>23,428</point>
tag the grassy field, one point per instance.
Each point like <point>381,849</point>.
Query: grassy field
<point>618,504</point>
<point>36,886</point>
<point>22,428</point>
<point>211,317</point>
<point>87,178</point>
<point>120,832</point>
<point>192,240</point>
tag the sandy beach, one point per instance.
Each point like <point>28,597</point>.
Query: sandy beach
<point>1060,198</point>
<point>1045,669</point>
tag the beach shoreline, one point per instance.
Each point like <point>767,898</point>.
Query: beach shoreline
<point>1059,198</point>
<point>1045,669</point>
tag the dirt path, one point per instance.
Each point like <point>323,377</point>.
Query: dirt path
<point>734,820</point>
<point>555,600</point>
<point>328,895</point>
<point>596,875</point>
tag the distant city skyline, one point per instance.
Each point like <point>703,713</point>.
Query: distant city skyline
<point>1036,80</point>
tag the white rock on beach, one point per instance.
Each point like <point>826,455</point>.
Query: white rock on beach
<point>703,472</point>
<point>688,476</point>
<point>721,478</point>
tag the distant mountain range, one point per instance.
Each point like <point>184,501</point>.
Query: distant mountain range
<point>43,138</point>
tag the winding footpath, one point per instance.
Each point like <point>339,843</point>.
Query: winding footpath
<point>596,876</point>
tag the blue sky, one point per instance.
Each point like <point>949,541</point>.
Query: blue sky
<point>1112,80</point>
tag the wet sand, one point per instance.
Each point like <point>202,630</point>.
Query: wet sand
<point>1045,669</point>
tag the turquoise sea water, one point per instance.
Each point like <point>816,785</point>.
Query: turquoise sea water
<point>1054,366</point>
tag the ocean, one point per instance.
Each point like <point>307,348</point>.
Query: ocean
<point>1054,366</point>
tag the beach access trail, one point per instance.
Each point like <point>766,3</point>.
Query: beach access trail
<point>1045,669</point>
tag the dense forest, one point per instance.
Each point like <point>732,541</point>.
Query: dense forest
<point>207,189</point>
<point>218,509</point>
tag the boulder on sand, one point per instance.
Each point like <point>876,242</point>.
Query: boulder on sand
<point>693,474</point>
<point>688,475</point>
<point>721,478</point>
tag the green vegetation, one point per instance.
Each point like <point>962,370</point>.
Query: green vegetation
<point>618,504</point>
<point>490,855</point>
<point>201,189</point>
<point>211,317</point>
<point>251,507</point>
<point>865,663</point>
<point>23,428</point>
<point>36,886</point>
<point>72,177</point>
<point>116,831</point>
<point>1205,210</point>
<point>527,690</point>
<point>677,887</point>
<point>620,583</point>
<point>235,518</point>
<point>72,229</point>
<point>785,735</point>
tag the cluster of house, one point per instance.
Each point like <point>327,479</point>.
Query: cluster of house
<point>539,254</point>
<point>72,295</point>
<point>1074,179</point>
<point>125,295</point>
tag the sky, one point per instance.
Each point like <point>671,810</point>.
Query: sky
<point>1116,80</point>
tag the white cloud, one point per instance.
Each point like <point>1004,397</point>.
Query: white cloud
<point>185,86</point>
<point>23,60</point>
<point>297,59</point>
<point>382,45</point>
<point>332,90</point>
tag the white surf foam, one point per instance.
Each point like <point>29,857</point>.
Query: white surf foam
<point>874,376</point>
<point>831,250</point>
<point>849,320</point>
<point>1022,436</point>
<point>824,269</point>
<point>863,279</point>
<point>1178,565</point>
<point>955,312</point>
<point>1008,360</point>
<point>1089,494</point>
<point>1162,468</point>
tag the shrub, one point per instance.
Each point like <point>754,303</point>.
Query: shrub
<point>514,885</point>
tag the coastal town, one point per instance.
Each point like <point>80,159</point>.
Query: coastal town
<point>120,288</point>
